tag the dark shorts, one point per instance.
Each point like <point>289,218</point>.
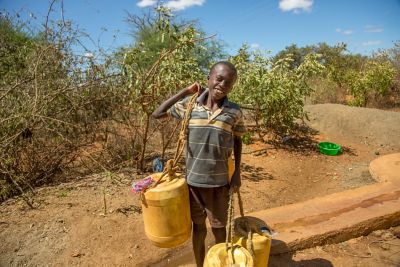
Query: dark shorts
<point>209,202</point>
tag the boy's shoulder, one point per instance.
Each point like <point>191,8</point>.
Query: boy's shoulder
<point>185,100</point>
<point>234,105</point>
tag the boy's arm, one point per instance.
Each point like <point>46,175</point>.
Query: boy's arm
<point>237,152</point>
<point>161,111</point>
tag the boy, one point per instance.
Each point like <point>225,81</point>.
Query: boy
<point>215,128</point>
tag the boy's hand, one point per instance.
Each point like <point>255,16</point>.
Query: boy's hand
<point>235,182</point>
<point>194,88</point>
<point>234,188</point>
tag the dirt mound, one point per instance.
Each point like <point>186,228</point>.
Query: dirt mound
<point>366,125</point>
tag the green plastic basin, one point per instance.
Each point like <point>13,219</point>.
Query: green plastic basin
<point>328,148</point>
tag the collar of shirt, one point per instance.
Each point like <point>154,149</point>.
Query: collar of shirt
<point>211,115</point>
<point>201,98</point>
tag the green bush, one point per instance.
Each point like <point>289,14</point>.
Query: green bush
<point>246,138</point>
<point>374,79</point>
<point>325,91</point>
<point>275,91</point>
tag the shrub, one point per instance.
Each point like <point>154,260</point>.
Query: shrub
<point>274,91</point>
<point>51,107</point>
<point>374,79</point>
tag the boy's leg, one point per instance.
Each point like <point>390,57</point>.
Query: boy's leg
<point>198,216</point>
<point>219,234</point>
<point>211,202</point>
<point>217,212</point>
<point>198,242</point>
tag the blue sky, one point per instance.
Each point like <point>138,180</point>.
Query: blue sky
<point>365,25</point>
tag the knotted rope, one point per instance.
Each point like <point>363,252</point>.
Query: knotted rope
<point>230,227</point>
<point>171,165</point>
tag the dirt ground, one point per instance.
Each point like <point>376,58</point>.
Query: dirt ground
<point>72,226</point>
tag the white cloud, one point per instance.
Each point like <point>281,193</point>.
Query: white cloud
<point>183,4</point>
<point>372,29</point>
<point>146,3</point>
<point>369,43</point>
<point>254,46</point>
<point>295,5</point>
<point>345,32</point>
<point>89,55</point>
<point>173,4</point>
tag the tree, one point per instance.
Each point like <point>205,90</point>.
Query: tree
<point>15,47</point>
<point>51,103</point>
<point>154,74</point>
<point>296,53</point>
<point>274,90</point>
<point>335,58</point>
<point>157,30</point>
<point>392,55</point>
<point>374,78</point>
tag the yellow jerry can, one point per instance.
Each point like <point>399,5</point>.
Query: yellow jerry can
<point>166,212</point>
<point>231,168</point>
<point>261,241</point>
<point>218,256</point>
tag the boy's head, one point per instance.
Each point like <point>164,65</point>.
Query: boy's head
<point>221,79</point>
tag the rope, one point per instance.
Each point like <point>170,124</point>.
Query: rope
<point>231,225</point>
<point>240,204</point>
<point>172,165</point>
<point>249,242</point>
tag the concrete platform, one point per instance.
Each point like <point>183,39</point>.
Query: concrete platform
<point>341,216</point>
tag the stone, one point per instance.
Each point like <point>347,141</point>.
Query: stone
<point>352,241</point>
<point>387,235</point>
<point>396,232</point>
<point>377,233</point>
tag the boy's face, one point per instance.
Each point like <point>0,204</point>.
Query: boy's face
<point>221,81</point>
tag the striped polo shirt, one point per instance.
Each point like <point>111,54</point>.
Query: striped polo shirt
<point>210,140</point>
